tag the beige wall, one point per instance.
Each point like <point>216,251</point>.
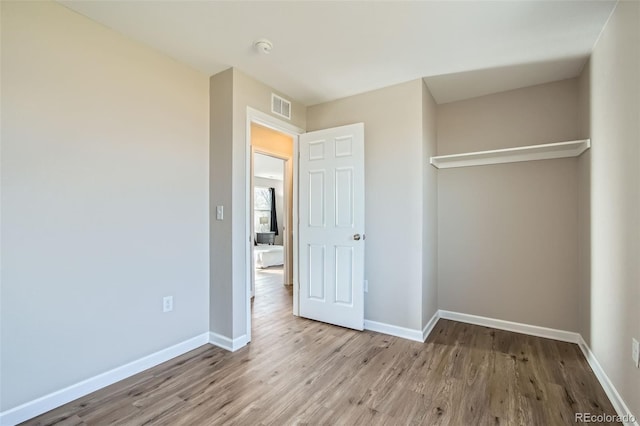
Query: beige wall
<point>229,280</point>
<point>615,200</point>
<point>429,209</point>
<point>104,200</point>
<point>584,207</point>
<point>255,94</point>
<point>394,162</point>
<point>507,233</point>
<point>531,116</point>
<point>220,194</point>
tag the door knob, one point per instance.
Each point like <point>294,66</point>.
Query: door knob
<point>356,237</point>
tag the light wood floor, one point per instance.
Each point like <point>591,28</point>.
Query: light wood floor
<point>297,371</point>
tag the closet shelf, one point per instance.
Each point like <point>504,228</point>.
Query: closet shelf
<point>513,155</point>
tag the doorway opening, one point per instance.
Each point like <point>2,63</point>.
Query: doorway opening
<point>270,237</point>
<point>271,218</point>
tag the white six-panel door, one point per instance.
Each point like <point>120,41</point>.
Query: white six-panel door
<point>331,226</point>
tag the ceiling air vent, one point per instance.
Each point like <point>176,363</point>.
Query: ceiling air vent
<point>280,106</point>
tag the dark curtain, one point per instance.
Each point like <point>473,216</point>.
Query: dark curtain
<point>274,220</point>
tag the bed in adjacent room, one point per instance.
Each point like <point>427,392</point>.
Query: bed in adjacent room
<point>268,255</point>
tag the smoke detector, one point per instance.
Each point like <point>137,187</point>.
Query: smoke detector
<point>263,46</point>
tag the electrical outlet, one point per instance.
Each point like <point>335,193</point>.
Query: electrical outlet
<point>366,286</point>
<point>635,352</point>
<point>167,304</point>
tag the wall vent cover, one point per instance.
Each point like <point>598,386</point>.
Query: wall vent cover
<point>280,106</point>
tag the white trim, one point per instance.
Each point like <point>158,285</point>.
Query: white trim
<point>63,396</point>
<point>267,120</point>
<point>226,343</point>
<point>532,330</point>
<point>394,330</point>
<point>616,400</point>
<point>513,155</point>
<point>248,216</point>
<point>426,331</point>
<point>251,264</point>
<point>295,226</point>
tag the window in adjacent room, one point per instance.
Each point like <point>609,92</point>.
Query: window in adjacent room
<point>261,209</point>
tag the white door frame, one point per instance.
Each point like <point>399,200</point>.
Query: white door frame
<point>266,120</point>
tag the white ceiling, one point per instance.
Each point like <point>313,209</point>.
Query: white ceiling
<point>327,50</point>
<point>268,167</point>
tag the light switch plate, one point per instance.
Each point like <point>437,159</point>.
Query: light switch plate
<point>219,212</point>
<point>167,304</point>
<point>635,352</point>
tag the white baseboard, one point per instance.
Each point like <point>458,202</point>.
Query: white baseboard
<point>618,403</point>
<point>393,330</point>
<point>53,400</point>
<point>426,331</point>
<point>533,330</point>
<point>224,342</point>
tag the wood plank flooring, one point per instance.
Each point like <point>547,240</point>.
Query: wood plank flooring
<point>297,371</point>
